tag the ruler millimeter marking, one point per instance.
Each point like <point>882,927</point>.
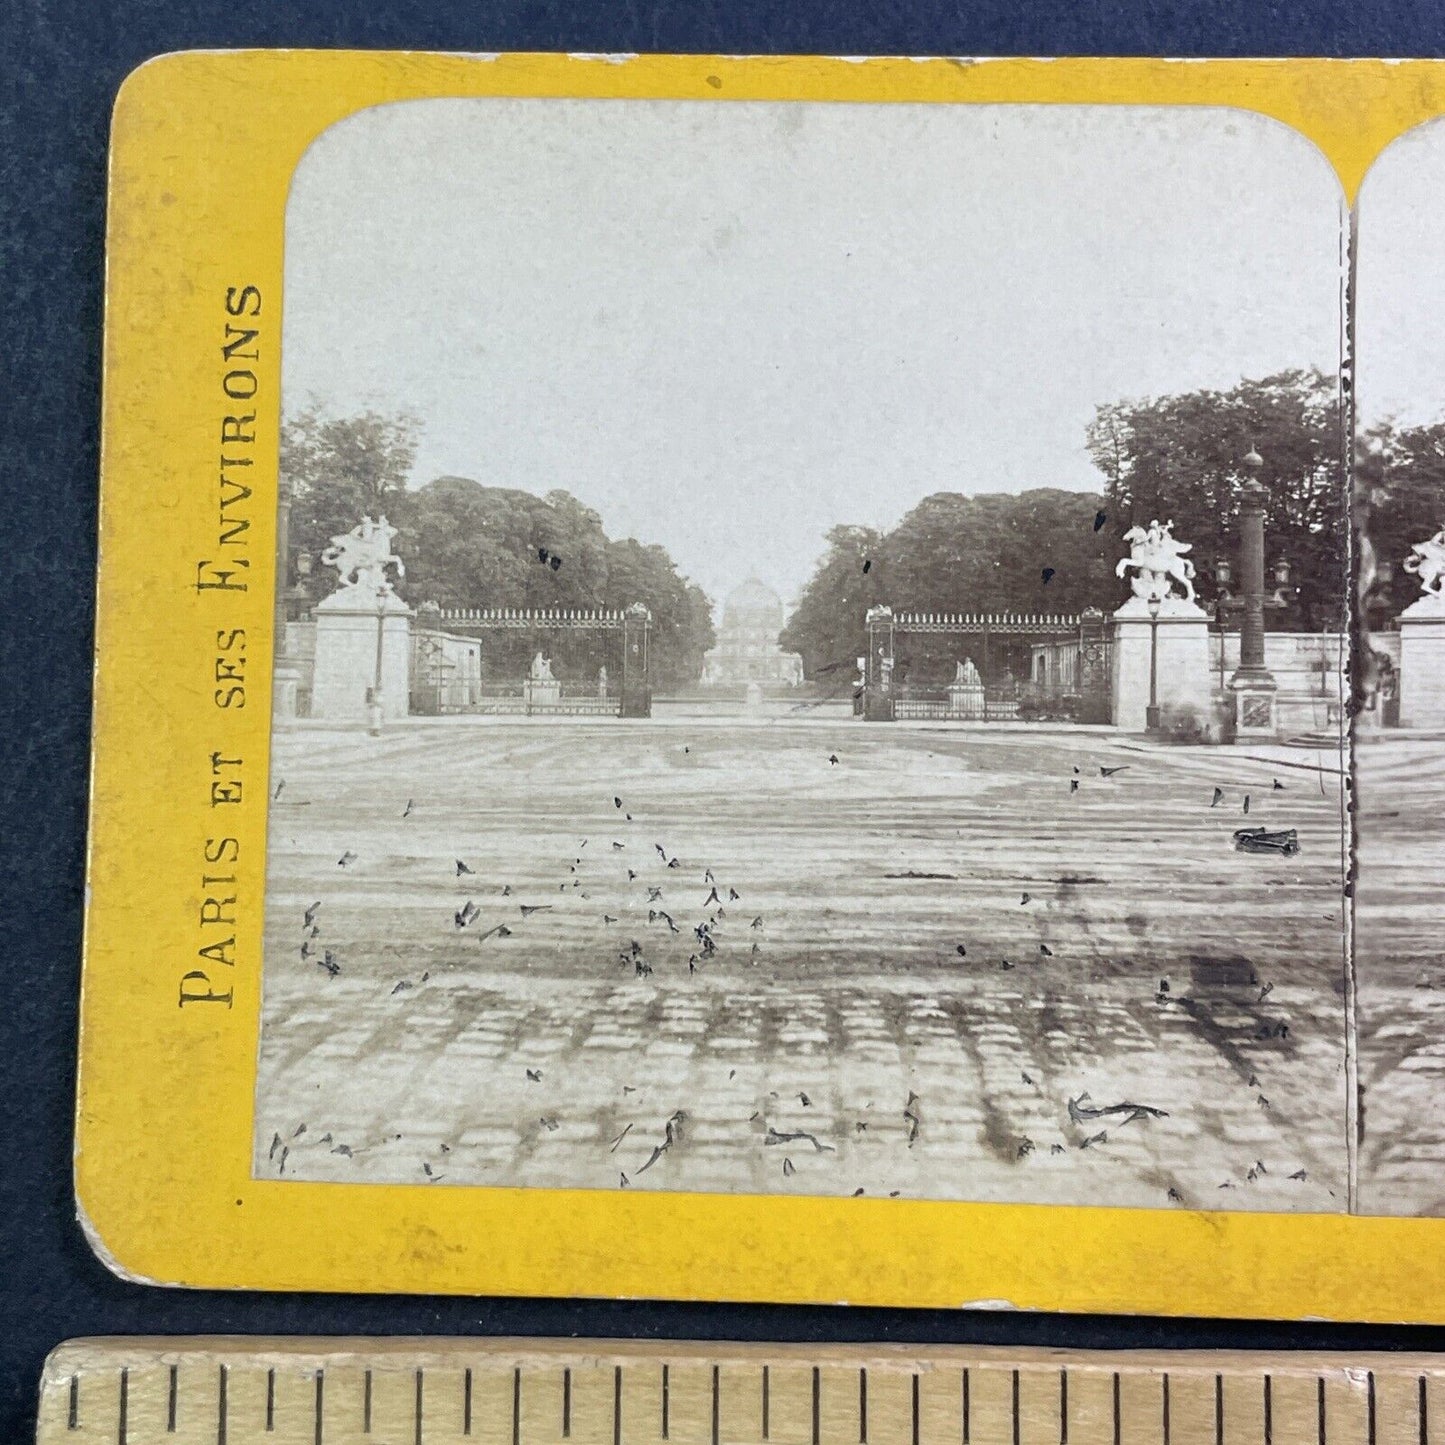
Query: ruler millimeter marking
<point>235,1391</point>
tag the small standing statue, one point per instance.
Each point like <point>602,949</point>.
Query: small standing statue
<point>965,693</point>
<point>542,669</point>
<point>1158,562</point>
<point>602,681</point>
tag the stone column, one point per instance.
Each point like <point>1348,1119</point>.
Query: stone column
<point>1422,662</point>
<point>347,627</point>
<point>1183,662</point>
<point>1253,684</point>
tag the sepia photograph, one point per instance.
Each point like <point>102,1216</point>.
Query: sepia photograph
<point>813,658</point>
<point>1400,728</point>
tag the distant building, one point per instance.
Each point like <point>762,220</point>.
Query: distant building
<point>747,642</point>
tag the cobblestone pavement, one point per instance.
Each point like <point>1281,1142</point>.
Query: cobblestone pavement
<point>1400,964</point>
<point>923,946</point>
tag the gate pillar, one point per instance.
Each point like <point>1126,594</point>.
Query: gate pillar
<point>878,687</point>
<point>1095,673</point>
<point>636,682</point>
<point>361,639</point>
<point>1173,648</point>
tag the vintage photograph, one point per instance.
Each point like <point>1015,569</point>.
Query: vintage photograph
<point>1400,731</point>
<point>813,658</point>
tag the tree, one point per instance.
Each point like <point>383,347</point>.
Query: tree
<point>827,626</point>
<point>469,545</point>
<point>1180,459</point>
<point>682,627</point>
<point>343,468</point>
<point>1041,551</point>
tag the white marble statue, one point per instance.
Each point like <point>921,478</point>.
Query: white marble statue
<point>1427,562</point>
<point>1158,562</point>
<point>967,675</point>
<point>542,669</point>
<point>362,555</point>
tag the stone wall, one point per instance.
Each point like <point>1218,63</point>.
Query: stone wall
<point>1311,669</point>
<point>446,671</point>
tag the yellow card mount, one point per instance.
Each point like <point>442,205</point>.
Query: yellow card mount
<point>930,945</point>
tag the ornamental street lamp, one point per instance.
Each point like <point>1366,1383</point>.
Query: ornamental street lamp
<point>375,707</point>
<point>1151,713</point>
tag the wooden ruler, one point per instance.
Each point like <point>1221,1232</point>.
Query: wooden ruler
<point>242,1391</point>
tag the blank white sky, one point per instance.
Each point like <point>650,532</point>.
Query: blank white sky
<point>729,326</point>
<point>1400,327</point>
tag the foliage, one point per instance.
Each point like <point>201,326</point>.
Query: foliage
<point>469,545</point>
<point>1180,459</point>
<point>479,546</point>
<point>343,468</point>
<point>827,626</point>
<point>1174,458</point>
<point>954,553</point>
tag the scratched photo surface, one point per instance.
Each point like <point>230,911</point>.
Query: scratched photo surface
<point>1400,732</point>
<point>764,593</point>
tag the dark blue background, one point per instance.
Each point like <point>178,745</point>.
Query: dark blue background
<point>62,63</point>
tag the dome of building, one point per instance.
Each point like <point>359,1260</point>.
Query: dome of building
<point>753,604</point>
<point>747,648</point>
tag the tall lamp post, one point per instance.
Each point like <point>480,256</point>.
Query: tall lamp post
<point>1252,683</point>
<point>1151,713</point>
<point>375,704</point>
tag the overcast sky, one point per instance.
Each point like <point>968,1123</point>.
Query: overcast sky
<point>1400,329</point>
<point>728,326</point>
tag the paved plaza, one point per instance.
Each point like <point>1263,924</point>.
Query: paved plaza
<point>812,956</point>
<point>1400,855</point>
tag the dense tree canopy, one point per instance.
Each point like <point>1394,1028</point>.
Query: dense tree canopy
<point>1173,458</point>
<point>343,468</point>
<point>1180,459</point>
<point>827,625</point>
<point>1039,551</point>
<point>470,545</point>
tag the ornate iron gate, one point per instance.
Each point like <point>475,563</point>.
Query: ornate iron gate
<point>533,661</point>
<point>1005,667</point>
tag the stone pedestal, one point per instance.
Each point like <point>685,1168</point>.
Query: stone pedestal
<point>541,692</point>
<point>1255,714</point>
<point>347,624</point>
<point>1422,663</point>
<point>965,699</point>
<point>1183,675</point>
<point>285,682</point>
